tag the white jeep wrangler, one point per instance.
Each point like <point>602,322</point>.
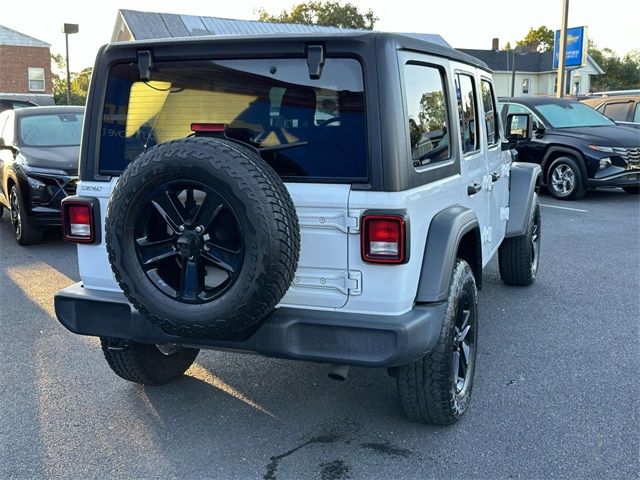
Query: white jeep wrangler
<point>328,198</point>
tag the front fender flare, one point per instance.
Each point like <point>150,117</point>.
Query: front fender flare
<point>524,177</point>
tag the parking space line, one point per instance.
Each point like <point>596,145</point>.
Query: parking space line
<point>565,208</point>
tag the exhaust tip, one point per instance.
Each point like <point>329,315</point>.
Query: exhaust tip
<point>339,372</point>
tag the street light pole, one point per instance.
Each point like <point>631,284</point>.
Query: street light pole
<point>519,50</point>
<point>513,73</point>
<point>563,49</point>
<point>67,29</point>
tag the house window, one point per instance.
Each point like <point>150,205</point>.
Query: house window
<point>555,84</point>
<point>36,79</point>
<point>525,85</point>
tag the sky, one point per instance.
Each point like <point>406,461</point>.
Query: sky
<point>464,24</point>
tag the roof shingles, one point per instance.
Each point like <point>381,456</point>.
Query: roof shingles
<point>501,60</point>
<point>12,37</point>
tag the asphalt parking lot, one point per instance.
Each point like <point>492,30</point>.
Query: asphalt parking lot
<point>556,390</point>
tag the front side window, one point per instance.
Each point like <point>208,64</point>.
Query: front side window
<point>490,115</point>
<point>467,101</point>
<point>51,130</point>
<point>636,116</point>
<point>516,108</point>
<point>427,112</point>
<point>302,127</point>
<point>36,79</point>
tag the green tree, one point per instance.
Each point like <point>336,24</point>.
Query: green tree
<point>327,13</point>
<point>79,82</point>
<point>540,39</point>
<point>432,115</point>
<point>507,47</point>
<point>620,73</point>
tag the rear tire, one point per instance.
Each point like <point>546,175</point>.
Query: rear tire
<point>565,180</point>
<point>629,190</point>
<point>147,364</point>
<point>519,257</point>
<point>23,229</point>
<point>431,389</point>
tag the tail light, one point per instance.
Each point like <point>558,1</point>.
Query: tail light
<point>384,238</point>
<point>79,219</point>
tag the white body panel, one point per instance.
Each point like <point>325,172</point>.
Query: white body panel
<point>322,279</point>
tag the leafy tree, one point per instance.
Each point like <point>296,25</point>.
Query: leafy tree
<point>79,82</point>
<point>326,13</point>
<point>507,47</point>
<point>540,39</point>
<point>432,115</point>
<point>619,73</point>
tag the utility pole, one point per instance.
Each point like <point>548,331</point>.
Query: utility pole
<point>67,29</point>
<point>563,49</point>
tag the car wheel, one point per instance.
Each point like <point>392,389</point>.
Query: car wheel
<point>436,389</point>
<point>519,257</point>
<point>565,180</point>
<point>203,238</point>
<point>147,364</point>
<point>23,229</point>
<point>632,190</point>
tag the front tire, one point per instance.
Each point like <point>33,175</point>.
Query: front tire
<point>565,179</point>
<point>519,257</point>
<point>632,190</point>
<point>436,389</point>
<point>147,364</point>
<point>25,232</point>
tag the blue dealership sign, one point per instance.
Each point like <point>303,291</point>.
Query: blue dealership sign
<point>576,52</point>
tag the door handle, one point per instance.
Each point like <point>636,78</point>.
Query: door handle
<point>473,188</point>
<point>495,176</point>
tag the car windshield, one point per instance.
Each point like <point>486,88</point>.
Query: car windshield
<point>51,130</point>
<point>573,114</point>
<point>302,127</point>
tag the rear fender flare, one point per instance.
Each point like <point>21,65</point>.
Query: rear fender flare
<point>445,234</point>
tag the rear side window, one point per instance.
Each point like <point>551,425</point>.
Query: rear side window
<point>490,113</point>
<point>467,101</point>
<point>304,128</point>
<point>617,111</point>
<point>427,111</point>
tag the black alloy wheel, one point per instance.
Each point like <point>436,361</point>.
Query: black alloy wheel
<point>464,344</point>
<point>16,213</point>
<point>188,241</point>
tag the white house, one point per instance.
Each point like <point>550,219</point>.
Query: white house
<point>534,73</point>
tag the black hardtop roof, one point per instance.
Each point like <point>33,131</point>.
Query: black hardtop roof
<point>21,112</point>
<point>401,42</point>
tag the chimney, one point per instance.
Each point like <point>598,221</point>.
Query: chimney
<point>495,44</point>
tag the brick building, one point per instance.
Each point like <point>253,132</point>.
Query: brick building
<point>25,68</point>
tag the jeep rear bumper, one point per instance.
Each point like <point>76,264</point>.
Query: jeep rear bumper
<point>312,335</point>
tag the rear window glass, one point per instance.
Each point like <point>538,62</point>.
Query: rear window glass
<point>51,130</point>
<point>302,127</point>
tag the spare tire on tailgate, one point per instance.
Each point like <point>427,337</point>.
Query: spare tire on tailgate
<point>202,237</point>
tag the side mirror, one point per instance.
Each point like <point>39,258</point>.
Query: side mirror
<point>519,127</point>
